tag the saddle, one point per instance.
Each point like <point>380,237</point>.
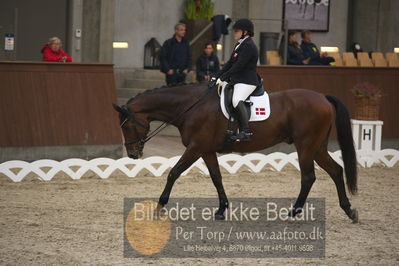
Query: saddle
<point>257,104</point>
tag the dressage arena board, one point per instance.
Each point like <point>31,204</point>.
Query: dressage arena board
<point>104,167</point>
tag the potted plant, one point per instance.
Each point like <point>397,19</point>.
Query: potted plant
<point>198,15</point>
<point>367,101</point>
<point>199,9</point>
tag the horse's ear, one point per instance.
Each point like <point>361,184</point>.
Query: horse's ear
<point>117,108</point>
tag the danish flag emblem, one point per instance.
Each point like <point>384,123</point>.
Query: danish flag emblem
<point>235,55</point>
<point>260,111</point>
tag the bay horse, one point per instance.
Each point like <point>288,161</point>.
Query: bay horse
<point>302,117</point>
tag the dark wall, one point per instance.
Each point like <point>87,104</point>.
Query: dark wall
<point>374,24</point>
<point>8,21</point>
<point>37,21</point>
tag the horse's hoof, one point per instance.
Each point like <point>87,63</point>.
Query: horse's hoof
<point>355,216</point>
<point>219,217</point>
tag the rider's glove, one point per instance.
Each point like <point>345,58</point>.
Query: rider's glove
<point>219,82</point>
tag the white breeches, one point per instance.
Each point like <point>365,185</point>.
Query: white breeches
<point>241,92</point>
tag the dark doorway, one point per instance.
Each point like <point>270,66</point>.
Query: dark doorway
<point>36,22</point>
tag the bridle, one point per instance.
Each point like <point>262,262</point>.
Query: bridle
<point>142,141</point>
<point>130,117</point>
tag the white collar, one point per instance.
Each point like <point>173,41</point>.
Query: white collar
<point>240,41</point>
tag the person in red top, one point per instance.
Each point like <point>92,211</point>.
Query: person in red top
<point>52,51</point>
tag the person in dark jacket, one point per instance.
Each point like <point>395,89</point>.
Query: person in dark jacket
<point>311,51</point>
<point>207,64</point>
<point>175,57</point>
<point>240,70</point>
<point>295,54</point>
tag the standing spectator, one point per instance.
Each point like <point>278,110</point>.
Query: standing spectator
<point>52,51</point>
<point>207,64</point>
<point>176,57</point>
<point>311,51</point>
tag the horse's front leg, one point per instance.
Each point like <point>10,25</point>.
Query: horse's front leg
<point>187,159</point>
<point>211,162</point>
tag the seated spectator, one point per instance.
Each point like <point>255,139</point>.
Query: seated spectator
<point>207,64</point>
<point>310,51</point>
<point>295,55</point>
<point>52,51</point>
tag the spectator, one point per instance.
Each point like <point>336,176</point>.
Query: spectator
<point>207,64</point>
<point>310,51</point>
<point>176,57</point>
<point>295,54</point>
<point>52,51</point>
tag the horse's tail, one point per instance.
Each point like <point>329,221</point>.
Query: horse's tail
<point>345,140</point>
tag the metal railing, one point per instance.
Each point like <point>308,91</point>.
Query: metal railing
<point>202,32</point>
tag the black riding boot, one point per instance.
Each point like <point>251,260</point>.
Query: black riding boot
<point>242,116</point>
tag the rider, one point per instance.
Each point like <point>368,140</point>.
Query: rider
<point>241,71</point>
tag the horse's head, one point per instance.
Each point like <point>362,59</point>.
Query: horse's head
<point>135,128</point>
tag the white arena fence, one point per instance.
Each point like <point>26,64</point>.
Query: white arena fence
<point>157,166</point>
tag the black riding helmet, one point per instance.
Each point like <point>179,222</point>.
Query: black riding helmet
<point>244,25</point>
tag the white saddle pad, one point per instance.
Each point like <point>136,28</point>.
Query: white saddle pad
<point>260,108</point>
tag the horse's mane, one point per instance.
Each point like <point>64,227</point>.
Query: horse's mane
<point>146,92</point>
<point>160,89</point>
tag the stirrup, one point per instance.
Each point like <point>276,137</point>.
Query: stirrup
<point>243,136</point>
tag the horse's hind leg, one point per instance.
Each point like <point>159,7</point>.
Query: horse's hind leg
<point>187,159</point>
<point>308,177</point>
<point>211,162</point>
<point>336,173</point>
